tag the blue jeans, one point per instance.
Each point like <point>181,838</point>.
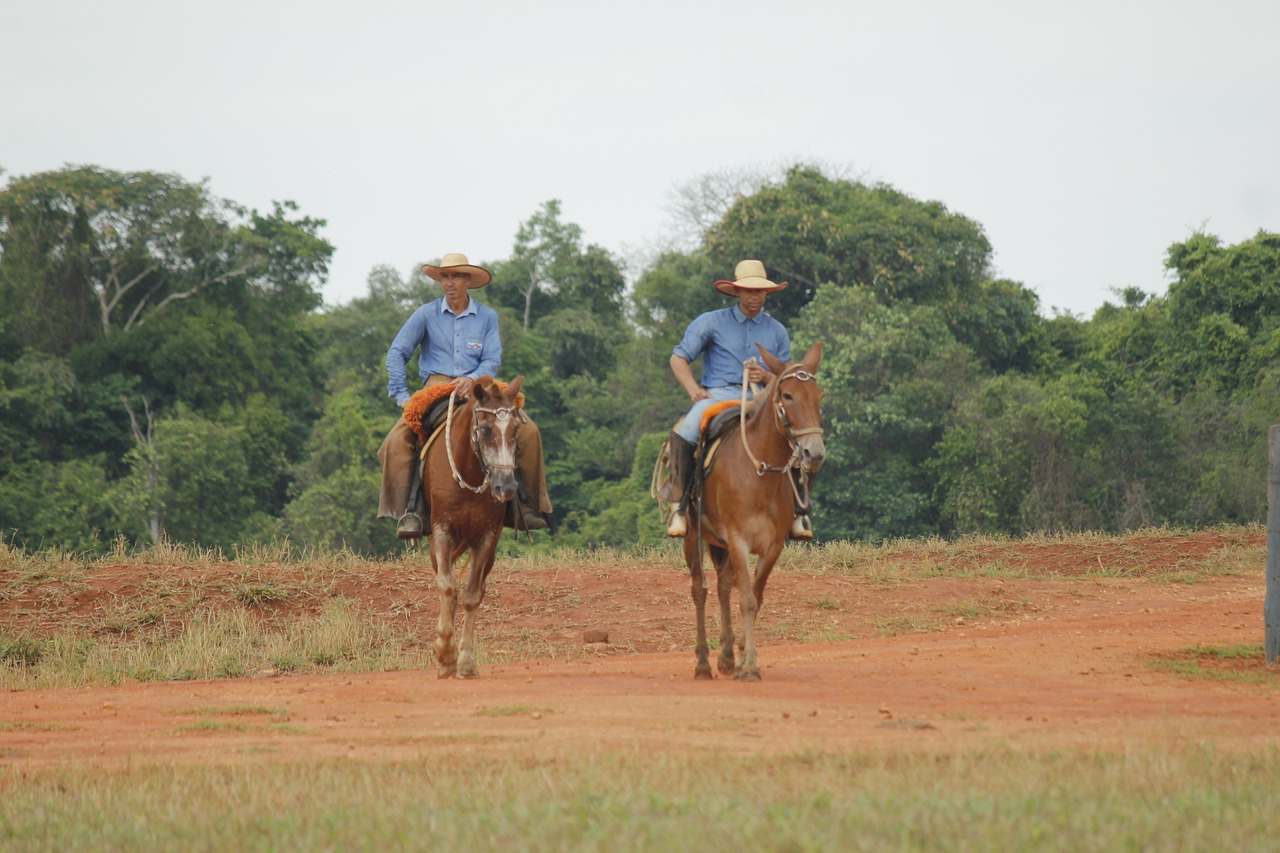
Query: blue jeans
<point>689,428</point>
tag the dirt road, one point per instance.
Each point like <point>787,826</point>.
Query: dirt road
<point>1045,664</point>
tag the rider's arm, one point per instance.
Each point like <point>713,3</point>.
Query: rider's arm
<point>684,375</point>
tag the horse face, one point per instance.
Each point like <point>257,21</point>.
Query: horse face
<point>494,425</point>
<point>800,406</point>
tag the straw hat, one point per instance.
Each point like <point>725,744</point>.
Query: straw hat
<point>749,275</point>
<point>457,262</point>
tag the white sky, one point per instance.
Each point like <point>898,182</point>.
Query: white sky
<point>1084,136</point>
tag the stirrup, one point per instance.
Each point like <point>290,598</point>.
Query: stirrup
<point>678,526</point>
<point>410,526</point>
<point>801,527</point>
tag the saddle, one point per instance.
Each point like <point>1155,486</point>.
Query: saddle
<point>425,411</point>
<point>426,408</point>
<point>717,422</point>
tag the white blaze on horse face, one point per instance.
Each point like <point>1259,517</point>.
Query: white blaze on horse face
<point>504,449</point>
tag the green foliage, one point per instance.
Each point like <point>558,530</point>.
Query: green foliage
<point>890,376</point>
<point>810,230</point>
<point>67,505</point>
<point>167,369</point>
<point>621,514</point>
<point>336,486</point>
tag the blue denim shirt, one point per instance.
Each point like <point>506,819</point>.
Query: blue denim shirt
<point>726,338</point>
<point>465,344</point>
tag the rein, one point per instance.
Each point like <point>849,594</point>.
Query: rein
<point>502,414</point>
<point>780,418</point>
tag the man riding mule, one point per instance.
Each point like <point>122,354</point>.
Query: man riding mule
<point>742,509</point>
<point>726,340</point>
<point>458,343</point>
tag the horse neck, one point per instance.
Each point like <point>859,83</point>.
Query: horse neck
<point>763,430</point>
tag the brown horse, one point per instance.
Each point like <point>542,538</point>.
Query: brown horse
<point>470,475</point>
<point>748,504</point>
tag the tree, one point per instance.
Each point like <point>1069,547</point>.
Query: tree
<point>549,260</point>
<point>809,230</point>
<point>891,375</point>
<point>543,243</point>
<point>190,477</point>
<point>108,250</point>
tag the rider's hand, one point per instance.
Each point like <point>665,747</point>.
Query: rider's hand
<point>463,390</point>
<point>700,394</point>
<point>757,375</point>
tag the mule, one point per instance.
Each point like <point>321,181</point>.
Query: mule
<point>469,478</point>
<point>747,505</point>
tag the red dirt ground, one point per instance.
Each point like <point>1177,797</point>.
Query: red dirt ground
<point>1059,661</point>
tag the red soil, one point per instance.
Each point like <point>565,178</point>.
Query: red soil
<point>1056,660</point>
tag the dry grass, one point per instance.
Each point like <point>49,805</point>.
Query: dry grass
<point>171,612</point>
<point>1171,798</point>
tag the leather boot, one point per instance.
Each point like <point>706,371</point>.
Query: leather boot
<point>681,453</point>
<point>411,525</point>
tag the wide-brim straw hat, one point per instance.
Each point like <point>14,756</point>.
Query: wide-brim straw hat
<point>457,262</point>
<point>749,275</point>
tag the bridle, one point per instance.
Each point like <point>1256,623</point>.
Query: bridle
<point>783,422</point>
<point>501,414</point>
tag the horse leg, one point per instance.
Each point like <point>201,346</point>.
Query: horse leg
<point>750,605</point>
<point>698,586</point>
<point>763,570</point>
<point>724,588</point>
<point>442,558</point>
<point>482,557</point>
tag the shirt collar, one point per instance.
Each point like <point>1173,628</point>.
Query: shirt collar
<point>743,318</point>
<point>470,309</point>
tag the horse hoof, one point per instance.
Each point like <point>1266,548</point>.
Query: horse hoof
<point>446,672</point>
<point>468,673</point>
<point>702,672</point>
<point>747,675</point>
<point>725,665</point>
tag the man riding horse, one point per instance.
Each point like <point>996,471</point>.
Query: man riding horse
<point>458,342</point>
<point>726,340</point>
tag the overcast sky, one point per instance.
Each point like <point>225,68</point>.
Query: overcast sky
<point>1085,137</point>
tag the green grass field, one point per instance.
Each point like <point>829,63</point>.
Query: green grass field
<point>1165,799</point>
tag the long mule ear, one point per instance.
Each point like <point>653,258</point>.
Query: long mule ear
<point>813,357</point>
<point>775,367</point>
<point>513,387</point>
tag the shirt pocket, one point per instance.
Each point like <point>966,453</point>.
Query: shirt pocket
<point>475,345</point>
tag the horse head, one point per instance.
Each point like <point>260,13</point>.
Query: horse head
<point>493,432</point>
<point>796,400</point>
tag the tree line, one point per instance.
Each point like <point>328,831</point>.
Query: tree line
<point>168,369</point>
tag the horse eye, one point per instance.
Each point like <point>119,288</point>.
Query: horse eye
<point>787,397</point>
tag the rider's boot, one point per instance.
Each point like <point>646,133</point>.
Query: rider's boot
<point>411,525</point>
<point>802,525</point>
<point>681,453</point>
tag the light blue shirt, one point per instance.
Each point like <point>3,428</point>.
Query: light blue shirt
<point>725,338</point>
<point>465,344</point>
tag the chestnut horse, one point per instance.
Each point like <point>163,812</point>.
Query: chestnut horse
<point>748,503</point>
<point>470,475</point>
